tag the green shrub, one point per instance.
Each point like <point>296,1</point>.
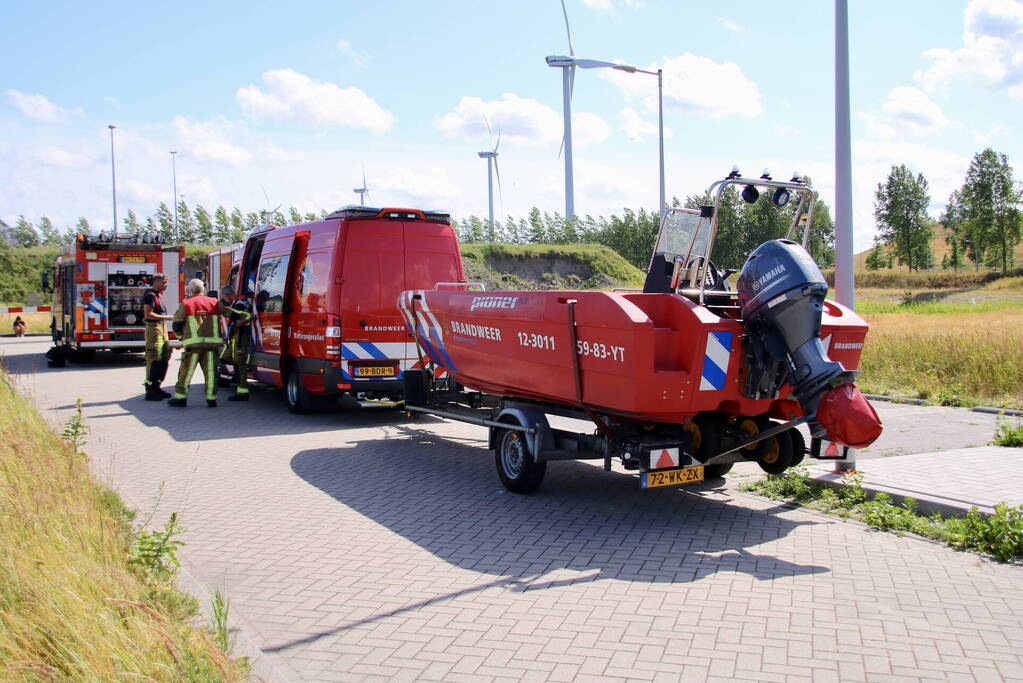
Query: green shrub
<point>1009,435</point>
<point>1000,535</point>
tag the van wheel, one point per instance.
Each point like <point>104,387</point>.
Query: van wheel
<point>295,393</point>
<point>518,470</point>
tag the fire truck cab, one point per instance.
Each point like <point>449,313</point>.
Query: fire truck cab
<point>325,296</point>
<point>97,286</point>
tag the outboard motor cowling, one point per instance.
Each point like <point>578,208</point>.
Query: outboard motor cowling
<point>781,294</point>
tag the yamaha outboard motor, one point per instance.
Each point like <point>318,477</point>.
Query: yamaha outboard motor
<point>781,295</point>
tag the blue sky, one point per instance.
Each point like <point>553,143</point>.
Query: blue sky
<point>287,103</point>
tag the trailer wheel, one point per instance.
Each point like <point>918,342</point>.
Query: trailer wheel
<point>778,455</point>
<point>798,446</point>
<point>705,431</point>
<point>297,396</point>
<point>518,470</point>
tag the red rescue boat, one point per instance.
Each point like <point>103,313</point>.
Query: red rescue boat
<point>687,350</point>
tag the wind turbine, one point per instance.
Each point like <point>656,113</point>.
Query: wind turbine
<point>567,66</point>
<point>491,157</point>
<point>363,191</point>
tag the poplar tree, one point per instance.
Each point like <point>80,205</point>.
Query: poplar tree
<point>900,208</point>
<point>989,208</point>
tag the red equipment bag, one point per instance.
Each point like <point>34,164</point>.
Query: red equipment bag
<point>848,417</point>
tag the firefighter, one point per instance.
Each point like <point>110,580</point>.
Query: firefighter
<point>158,351</point>
<point>239,333</point>
<point>197,324</point>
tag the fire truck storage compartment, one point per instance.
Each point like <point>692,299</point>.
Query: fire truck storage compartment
<point>127,283</point>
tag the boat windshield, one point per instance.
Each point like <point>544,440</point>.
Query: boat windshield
<point>683,233</point>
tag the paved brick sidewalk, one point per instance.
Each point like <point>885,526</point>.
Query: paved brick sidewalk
<point>362,546</point>
<point>950,482</point>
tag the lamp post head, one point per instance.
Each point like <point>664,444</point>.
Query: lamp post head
<point>111,126</point>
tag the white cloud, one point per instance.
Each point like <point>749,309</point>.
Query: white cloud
<point>694,84</point>
<point>138,192</point>
<point>520,121</point>
<point>58,157</point>
<point>39,108</point>
<point>633,125</point>
<point>210,140</point>
<point>294,97</point>
<point>907,112</point>
<point>992,49</point>
<point>730,25</point>
<point>359,58</point>
<point>609,5</point>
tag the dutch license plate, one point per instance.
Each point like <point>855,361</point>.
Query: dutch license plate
<point>133,259</point>
<point>683,475</point>
<point>375,371</point>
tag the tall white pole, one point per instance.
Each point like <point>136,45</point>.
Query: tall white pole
<point>844,280</point>
<point>113,178</point>
<point>566,72</point>
<point>660,130</point>
<point>490,191</point>
<point>174,173</point>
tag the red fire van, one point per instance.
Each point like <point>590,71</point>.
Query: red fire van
<point>325,298</point>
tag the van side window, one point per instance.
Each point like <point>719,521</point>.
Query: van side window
<point>273,273</point>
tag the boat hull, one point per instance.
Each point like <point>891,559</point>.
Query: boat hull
<point>645,357</point>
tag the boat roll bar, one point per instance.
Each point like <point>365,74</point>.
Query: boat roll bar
<point>807,200</point>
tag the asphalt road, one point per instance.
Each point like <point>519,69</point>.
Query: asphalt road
<point>361,545</point>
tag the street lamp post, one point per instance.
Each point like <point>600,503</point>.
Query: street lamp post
<point>113,178</point>
<point>567,64</point>
<point>174,174</point>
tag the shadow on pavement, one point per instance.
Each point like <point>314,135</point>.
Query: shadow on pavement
<point>265,414</point>
<point>444,496</point>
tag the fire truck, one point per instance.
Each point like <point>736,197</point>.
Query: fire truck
<point>97,285</point>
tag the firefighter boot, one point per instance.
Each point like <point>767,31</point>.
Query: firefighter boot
<point>157,371</point>
<point>178,402</point>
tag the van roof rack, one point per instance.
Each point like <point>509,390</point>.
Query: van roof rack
<point>357,210</point>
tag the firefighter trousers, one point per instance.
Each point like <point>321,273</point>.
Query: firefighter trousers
<point>158,352</point>
<point>189,360</point>
<point>237,354</point>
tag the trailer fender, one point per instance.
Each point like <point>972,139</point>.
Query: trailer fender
<point>525,416</point>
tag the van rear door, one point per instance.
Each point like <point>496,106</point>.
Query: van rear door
<point>373,273</point>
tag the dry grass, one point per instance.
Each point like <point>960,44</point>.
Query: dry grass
<point>977,356</point>
<point>71,608</point>
<point>38,323</point>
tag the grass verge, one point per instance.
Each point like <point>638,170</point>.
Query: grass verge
<point>999,535</point>
<point>83,594</point>
<point>951,358</point>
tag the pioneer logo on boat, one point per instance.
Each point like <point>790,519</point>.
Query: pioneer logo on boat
<point>493,302</point>
<point>762,280</point>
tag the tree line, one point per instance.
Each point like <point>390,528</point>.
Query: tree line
<point>194,225</point>
<point>742,227</point>
<point>982,218</point>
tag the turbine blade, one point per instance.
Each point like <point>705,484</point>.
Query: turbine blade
<point>571,83</point>
<point>593,64</point>
<point>568,30</point>
<point>490,133</point>
<point>498,143</point>
<point>562,148</point>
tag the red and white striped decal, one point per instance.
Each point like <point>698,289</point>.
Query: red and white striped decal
<point>25,309</point>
